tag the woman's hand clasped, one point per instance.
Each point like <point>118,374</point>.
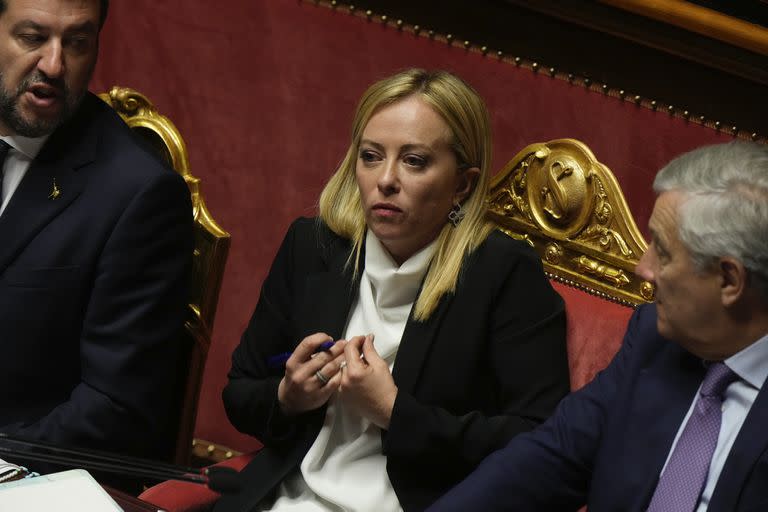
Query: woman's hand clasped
<point>311,377</point>
<point>366,382</point>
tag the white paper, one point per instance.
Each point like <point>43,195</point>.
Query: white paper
<point>74,490</point>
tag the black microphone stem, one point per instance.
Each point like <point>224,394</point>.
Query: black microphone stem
<point>89,459</point>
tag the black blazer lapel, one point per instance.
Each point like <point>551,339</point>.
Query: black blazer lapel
<point>329,296</point>
<point>750,444</point>
<point>336,290</point>
<point>414,347</point>
<point>34,205</point>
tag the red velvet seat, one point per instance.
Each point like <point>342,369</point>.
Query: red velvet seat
<point>595,330</point>
<point>176,496</point>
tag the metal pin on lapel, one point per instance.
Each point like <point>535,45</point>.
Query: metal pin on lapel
<point>55,191</point>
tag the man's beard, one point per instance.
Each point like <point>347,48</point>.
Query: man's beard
<point>12,117</point>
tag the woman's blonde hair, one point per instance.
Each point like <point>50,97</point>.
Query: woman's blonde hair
<point>465,113</point>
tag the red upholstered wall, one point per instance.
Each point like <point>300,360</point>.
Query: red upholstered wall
<point>263,92</point>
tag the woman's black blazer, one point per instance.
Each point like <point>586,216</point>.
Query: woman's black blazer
<point>489,363</point>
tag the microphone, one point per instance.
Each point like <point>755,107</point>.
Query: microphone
<point>219,479</point>
<point>223,480</point>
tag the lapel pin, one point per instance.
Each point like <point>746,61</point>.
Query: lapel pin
<point>55,191</point>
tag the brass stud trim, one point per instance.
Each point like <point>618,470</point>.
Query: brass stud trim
<point>211,451</point>
<point>534,66</point>
<point>591,291</point>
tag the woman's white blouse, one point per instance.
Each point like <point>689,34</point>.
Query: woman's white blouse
<point>344,470</point>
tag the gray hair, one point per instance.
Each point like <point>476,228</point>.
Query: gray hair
<point>726,209</point>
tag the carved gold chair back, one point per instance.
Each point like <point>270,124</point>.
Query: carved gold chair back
<point>209,256</point>
<point>569,207</point>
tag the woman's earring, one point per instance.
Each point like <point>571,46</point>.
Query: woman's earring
<point>456,214</point>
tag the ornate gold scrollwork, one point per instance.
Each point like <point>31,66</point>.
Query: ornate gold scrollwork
<point>511,199</point>
<point>553,253</point>
<point>647,290</point>
<point>598,230</point>
<point>614,276</point>
<point>572,209</point>
<point>518,236</point>
<point>558,192</point>
<point>554,194</point>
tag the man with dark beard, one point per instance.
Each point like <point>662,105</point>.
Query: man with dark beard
<point>95,246</point>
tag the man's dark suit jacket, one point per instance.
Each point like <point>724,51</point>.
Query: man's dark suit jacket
<point>93,289</point>
<point>607,443</point>
<point>489,363</point>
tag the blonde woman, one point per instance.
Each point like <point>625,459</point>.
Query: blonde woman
<point>418,338</point>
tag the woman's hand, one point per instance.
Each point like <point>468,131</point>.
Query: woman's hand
<point>310,377</point>
<point>366,383</point>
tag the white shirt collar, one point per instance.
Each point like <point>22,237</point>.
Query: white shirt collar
<point>751,363</point>
<point>27,146</point>
<point>393,284</point>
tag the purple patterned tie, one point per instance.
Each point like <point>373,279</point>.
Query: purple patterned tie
<point>683,479</point>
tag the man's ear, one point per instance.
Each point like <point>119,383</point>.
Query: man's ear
<point>734,276</point>
<point>465,184</point>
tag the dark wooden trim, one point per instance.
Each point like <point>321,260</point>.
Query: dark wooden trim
<point>701,20</point>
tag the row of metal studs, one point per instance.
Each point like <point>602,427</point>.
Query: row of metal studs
<point>592,291</point>
<point>534,66</point>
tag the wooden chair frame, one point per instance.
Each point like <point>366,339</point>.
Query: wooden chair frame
<point>210,252</point>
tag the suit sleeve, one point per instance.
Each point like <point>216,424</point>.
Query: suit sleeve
<point>549,468</point>
<point>129,345</point>
<point>250,397</point>
<point>524,353</point>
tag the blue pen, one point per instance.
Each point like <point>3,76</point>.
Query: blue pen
<point>279,360</point>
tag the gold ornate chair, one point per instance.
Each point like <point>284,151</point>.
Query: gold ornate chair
<point>569,207</point>
<point>209,256</point>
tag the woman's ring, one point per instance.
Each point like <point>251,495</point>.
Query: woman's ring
<point>322,378</point>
